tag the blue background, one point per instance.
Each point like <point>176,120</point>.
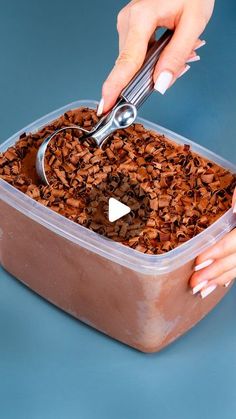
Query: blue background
<point>52,366</point>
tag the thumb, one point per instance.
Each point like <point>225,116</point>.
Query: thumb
<point>173,58</point>
<point>127,64</point>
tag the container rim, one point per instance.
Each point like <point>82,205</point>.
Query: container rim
<point>107,248</point>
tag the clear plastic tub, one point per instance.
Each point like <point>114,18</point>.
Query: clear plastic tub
<point>142,300</point>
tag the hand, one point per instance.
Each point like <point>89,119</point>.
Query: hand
<point>217,265</point>
<point>137,23</point>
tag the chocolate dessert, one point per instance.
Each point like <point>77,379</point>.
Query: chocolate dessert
<point>141,298</point>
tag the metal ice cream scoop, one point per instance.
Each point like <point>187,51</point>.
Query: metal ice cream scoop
<point>124,112</point>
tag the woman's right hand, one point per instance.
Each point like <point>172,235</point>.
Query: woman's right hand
<point>137,22</point>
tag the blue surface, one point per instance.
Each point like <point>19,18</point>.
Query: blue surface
<point>52,366</point>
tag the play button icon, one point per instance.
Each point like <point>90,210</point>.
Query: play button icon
<point>116,210</point>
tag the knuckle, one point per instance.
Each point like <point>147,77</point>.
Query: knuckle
<point>198,20</point>
<point>126,57</point>
<point>223,247</point>
<point>228,277</point>
<point>176,61</point>
<point>201,19</point>
<point>120,19</point>
<point>224,279</point>
<point>136,10</point>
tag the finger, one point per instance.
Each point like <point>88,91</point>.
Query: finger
<point>225,247</point>
<point>123,25</point>
<point>176,53</point>
<point>123,31</point>
<point>130,59</point>
<point>213,271</point>
<point>223,280</point>
<point>122,39</point>
<point>234,201</point>
<point>199,44</point>
<point>193,57</point>
<point>183,70</point>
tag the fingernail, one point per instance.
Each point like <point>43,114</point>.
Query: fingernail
<point>204,264</point>
<point>227,284</point>
<point>199,286</point>
<point>187,67</point>
<point>100,107</point>
<point>193,59</point>
<point>163,81</point>
<point>234,209</point>
<point>208,290</point>
<point>200,45</point>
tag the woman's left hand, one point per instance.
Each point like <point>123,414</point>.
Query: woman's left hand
<point>217,265</point>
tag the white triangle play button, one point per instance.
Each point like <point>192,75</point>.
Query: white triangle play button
<point>117,210</point>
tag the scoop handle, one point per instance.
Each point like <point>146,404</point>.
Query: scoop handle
<point>142,85</point>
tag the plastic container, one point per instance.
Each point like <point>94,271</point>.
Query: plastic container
<point>142,300</point>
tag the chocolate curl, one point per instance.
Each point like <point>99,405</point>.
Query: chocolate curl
<point>110,154</point>
<point>141,161</point>
<point>9,179</point>
<point>95,159</point>
<point>141,248</point>
<point>3,160</point>
<point>58,193</point>
<point>226,180</point>
<point>43,202</point>
<point>10,154</point>
<point>123,230</point>
<point>150,233</point>
<point>207,178</point>
<point>150,148</point>
<point>73,202</point>
<point>117,143</point>
<point>69,167</point>
<point>167,246</point>
<point>154,204</point>
<point>33,191</point>
<point>164,236</point>
<point>128,166</point>
<point>61,176</point>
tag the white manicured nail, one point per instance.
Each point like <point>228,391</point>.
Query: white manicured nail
<point>194,59</point>
<point>208,290</point>
<point>163,81</point>
<point>227,284</point>
<point>100,107</point>
<point>204,264</point>
<point>199,286</point>
<point>187,67</point>
<point>200,45</point>
<point>234,209</point>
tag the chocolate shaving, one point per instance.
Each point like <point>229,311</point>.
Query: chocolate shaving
<point>207,178</point>
<point>174,194</point>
